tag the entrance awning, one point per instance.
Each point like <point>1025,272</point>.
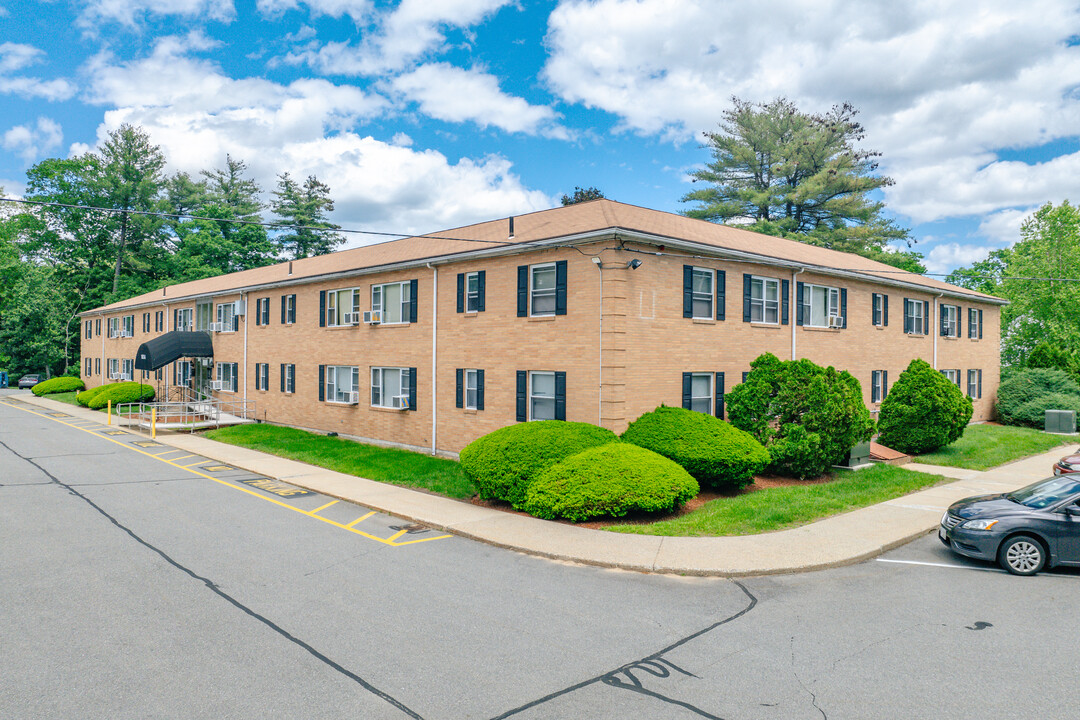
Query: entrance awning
<point>172,346</point>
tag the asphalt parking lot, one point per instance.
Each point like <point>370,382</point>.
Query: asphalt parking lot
<point>140,583</point>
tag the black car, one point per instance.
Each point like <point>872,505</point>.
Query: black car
<point>1027,530</point>
<point>28,381</point>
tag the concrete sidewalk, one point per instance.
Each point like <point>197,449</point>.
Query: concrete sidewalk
<point>838,540</point>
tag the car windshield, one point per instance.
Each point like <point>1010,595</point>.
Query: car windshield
<point>1045,492</point>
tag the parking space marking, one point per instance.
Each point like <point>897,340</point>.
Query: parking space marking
<point>323,507</point>
<point>941,565</point>
<point>362,517</point>
<point>182,457</point>
<point>226,483</point>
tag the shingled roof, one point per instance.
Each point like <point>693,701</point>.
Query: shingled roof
<point>586,218</point>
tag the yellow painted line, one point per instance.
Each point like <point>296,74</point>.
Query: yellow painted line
<point>200,462</point>
<point>241,488</point>
<point>323,507</point>
<point>362,517</point>
<point>182,457</point>
<point>396,535</point>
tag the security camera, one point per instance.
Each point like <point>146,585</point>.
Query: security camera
<point>634,264</point>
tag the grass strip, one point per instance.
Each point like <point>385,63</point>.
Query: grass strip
<point>985,446</point>
<point>64,397</point>
<point>784,507</point>
<point>388,465</point>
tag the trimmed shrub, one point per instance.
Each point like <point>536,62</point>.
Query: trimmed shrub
<point>715,453</point>
<point>609,481</point>
<point>58,385</point>
<point>124,392</point>
<point>923,411</point>
<point>1023,398</point>
<point>86,396</point>
<point>808,417</point>
<point>503,463</point>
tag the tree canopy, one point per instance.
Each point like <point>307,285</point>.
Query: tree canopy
<point>780,171</point>
<point>582,195</point>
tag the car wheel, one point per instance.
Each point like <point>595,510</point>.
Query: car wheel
<point>1022,555</point>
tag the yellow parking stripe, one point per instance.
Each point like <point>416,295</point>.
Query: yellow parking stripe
<point>362,517</point>
<point>241,488</point>
<point>182,457</point>
<point>323,507</point>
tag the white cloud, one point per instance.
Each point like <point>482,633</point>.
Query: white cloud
<point>940,84</point>
<point>130,12</point>
<point>15,57</point>
<point>33,141</point>
<point>197,114</point>
<point>358,10</point>
<point>1003,227</point>
<point>946,257</point>
<point>453,94</point>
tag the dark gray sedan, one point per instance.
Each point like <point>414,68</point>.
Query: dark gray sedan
<point>1027,530</point>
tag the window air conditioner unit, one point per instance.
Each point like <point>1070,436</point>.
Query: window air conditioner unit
<point>124,333</point>
<point>835,321</point>
<point>401,402</point>
<point>239,307</point>
<point>354,398</point>
<point>115,375</point>
<point>352,318</point>
<point>125,376</point>
<point>372,317</point>
<point>217,384</point>
<point>217,327</point>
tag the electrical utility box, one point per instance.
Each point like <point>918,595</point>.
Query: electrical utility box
<point>1060,421</point>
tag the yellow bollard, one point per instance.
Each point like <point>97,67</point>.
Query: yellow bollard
<point>153,423</point>
<point>109,412</point>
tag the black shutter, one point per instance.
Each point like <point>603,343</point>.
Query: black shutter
<point>522,390</point>
<point>785,290</point>
<point>926,315</point>
<point>459,390</point>
<point>266,311</point>
<point>687,291</point>
<point>282,377</point>
<point>176,320</point>
<point>980,324</point>
<point>292,310</point>
<point>721,295</point>
<point>322,383</point>
<point>745,298</point>
<point>885,309</point>
<point>979,376</point>
<point>480,289</point>
<point>322,308</point>
<point>523,294</point>
<point>800,310</point>
<point>687,389</point>
<point>235,322</point>
<point>843,306</point>
<point>460,294</point>
<point>719,389</point>
<point>745,375</point>
<point>258,312</point>
<point>875,311</point>
<point>560,396</point>
<point>479,389</point>
<point>907,315</point>
<point>412,385</point>
<point>884,384</point>
<point>284,309</point>
<point>959,320</point>
<point>560,289</point>
<point>414,286</point>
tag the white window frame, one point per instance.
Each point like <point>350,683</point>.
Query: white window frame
<point>335,315</point>
<point>534,397</point>
<point>89,367</point>
<point>950,315</point>
<point>876,377</point>
<point>262,376</point>
<point>232,379</point>
<point>128,322</point>
<point>534,294</point>
<point>702,296</point>
<point>185,318</point>
<point>833,304</point>
<point>708,398</point>
<point>112,367</point>
<point>127,368</point>
<point>336,391</point>
<point>472,388</point>
<point>877,307</point>
<point>952,376</point>
<point>290,378</point>
<point>112,327</point>
<point>226,310</point>
<point>973,384</point>
<point>183,372</point>
<point>973,324</point>
<point>204,315</point>
<point>290,309</point>
<point>472,292</point>
<point>382,399</point>
<point>918,322</point>
<point>762,302</point>
<point>378,302</point>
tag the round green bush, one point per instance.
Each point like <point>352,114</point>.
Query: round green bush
<point>609,481</point>
<point>1026,394</point>
<point>124,392</point>
<point>503,463</point>
<point>58,385</point>
<point>923,411</point>
<point>86,396</point>
<point>715,453</point>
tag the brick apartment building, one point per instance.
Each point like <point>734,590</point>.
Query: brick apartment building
<point>595,312</point>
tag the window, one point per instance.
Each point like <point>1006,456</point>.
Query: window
<point>226,375</point>
<point>340,302</point>
<point>146,322</point>
<point>158,374</point>
<point>764,300</point>
<point>974,323</point>
<point>182,373</point>
<point>470,389</point>
<point>393,301</point>
<point>204,311</point>
<point>262,311</point>
<point>288,378</point>
<point>542,289</point>
<point>128,369</point>
<point>472,292</point>
<point>89,329</point>
<point>262,372</point>
<point>880,310</point>
<point>89,367</point>
<point>226,317</point>
<point>390,387</point>
<point>97,366</point>
<point>701,394</point>
<point>129,326</point>
<point>950,321</point>
<point>974,384</point>
<point>183,322</point>
<point>702,293</point>
<point>952,376</point>
<point>159,321</point>
<point>821,305</point>
<point>541,396</point>
<point>879,385</point>
<point>288,309</point>
<point>113,368</point>
<point>112,331</point>
<point>915,317</point>
<point>97,327</point>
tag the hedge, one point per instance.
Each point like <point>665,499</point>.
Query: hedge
<point>124,392</point>
<point>609,481</point>
<point>502,464</point>
<point>923,411</point>
<point>86,396</point>
<point>715,453</point>
<point>1024,397</point>
<point>58,385</point>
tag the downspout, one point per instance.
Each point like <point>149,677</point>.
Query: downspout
<point>104,332</point>
<point>434,349</point>
<point>600,387</point>
<point>243,299</point>
<point>165,374</point>
<point>937,325</point>
<point>794,295</point>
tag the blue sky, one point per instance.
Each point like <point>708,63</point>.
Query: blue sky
<point>427,115</point>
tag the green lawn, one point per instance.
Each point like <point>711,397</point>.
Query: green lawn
<point>784,507</point>
<point>985,446</point>
<point>389,465</point>
<point>66,397</point>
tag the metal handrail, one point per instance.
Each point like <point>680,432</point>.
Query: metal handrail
<point>189,411</point>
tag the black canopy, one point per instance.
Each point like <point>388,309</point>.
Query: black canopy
<point>172,346</point>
